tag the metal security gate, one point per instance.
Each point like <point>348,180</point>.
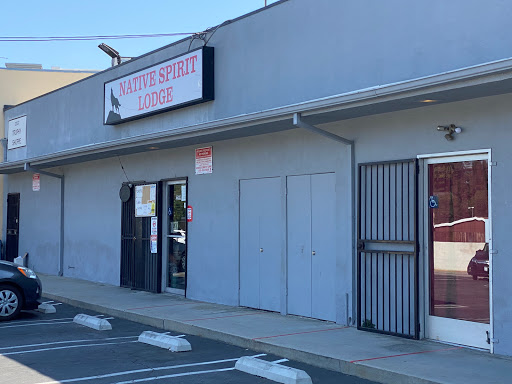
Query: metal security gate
<point>13,225</point>
<point>387,248</point>
<point>140,269</point>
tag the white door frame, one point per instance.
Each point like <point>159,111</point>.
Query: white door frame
<point>451,325</point>
<point>165,242</point>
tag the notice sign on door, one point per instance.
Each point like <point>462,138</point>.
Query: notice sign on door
<point>204,160</point>
<point>36,182</point>
<point>145,200</point>
<point>154,233</point>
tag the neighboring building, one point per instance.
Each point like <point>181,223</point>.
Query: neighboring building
<point>22,82</point>
<point>332,160</point>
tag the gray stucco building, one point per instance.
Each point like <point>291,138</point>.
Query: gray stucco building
<point>335,160</point>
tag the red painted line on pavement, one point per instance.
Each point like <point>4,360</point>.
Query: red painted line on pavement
<point>406,354</point>
<point>158,306</point>
<point>298,333</point>
<point>222,317</point>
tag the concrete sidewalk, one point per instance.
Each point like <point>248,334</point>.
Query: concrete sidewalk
<point>382,358</point>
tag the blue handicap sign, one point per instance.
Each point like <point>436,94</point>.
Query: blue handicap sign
<point>433,202</point>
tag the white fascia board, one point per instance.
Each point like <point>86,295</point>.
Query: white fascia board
<point>465,77</point>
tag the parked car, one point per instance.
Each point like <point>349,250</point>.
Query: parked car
<point>479,264</point>
<point>20,288</point>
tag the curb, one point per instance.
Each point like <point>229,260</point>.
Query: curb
<point>360,370</point>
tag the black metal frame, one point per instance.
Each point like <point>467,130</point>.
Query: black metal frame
<point>12,231</point>
<point>390,245</point>
<point>208,82</point>
<point>164,190</point>
<point>138,271</point>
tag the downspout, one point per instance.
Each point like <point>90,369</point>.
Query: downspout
<point>298,122</point>
<point>27,167</point>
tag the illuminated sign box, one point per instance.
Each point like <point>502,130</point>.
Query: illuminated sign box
<point>176,83</point>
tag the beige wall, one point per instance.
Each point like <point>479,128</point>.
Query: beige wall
<point>19,85</point>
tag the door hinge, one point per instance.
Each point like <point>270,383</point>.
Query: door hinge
<point>493,251</point>
<point>493,163</point>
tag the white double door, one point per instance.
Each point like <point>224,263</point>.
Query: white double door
<point>311,239</point>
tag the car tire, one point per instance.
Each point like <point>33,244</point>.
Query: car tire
<point>11,302</point>
<point>475,277</point>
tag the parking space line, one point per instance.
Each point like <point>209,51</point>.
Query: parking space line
<point>280,361</point>
<point>176,375</point>
<point>144,370</point>
<point>35,324</point>
<point>67,347</point>
<point>65,342</point>
<point>36,321</point>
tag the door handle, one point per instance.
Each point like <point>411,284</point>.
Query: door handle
<point>261,249</point>
<point>313,253</point>
<point>134,238</point>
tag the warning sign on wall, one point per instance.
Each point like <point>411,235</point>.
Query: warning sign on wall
<point>204,160</point>
<point>36,182</point>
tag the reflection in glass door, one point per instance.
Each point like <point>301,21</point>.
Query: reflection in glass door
<point>176,233</point>
<point>459,252</point>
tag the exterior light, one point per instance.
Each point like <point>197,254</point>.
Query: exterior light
<point>451,129</point>
<point>111,52</point>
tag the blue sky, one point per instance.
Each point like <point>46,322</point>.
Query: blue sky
<point>105,17</point>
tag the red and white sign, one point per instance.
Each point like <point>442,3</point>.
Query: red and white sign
<point>154,234</point>
<point>154,225</point>
<point>204,160</point>
<point>36,182</point>
<point>175,83</point>
<point>190,213</point>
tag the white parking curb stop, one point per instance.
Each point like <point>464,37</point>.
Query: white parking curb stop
<point>92,322</point>
<point>172,343</point>
<point>46,308</point>
<point>272,371</point>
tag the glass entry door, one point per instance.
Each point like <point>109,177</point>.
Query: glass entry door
<point>176,237</point>
<point>459,265</point>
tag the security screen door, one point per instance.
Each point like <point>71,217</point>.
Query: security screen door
<point>311,222</point>
<point>260,243</point>
<point>140,268</point>
<point>387,248</point>
<point>13,218</point>
<point>459,263</point>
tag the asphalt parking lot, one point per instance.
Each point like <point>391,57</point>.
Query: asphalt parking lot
<point>49,348</point>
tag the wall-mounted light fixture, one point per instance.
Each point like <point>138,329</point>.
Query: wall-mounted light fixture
<point>451,129</point>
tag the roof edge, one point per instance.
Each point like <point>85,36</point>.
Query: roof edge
<point>464,77</point>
